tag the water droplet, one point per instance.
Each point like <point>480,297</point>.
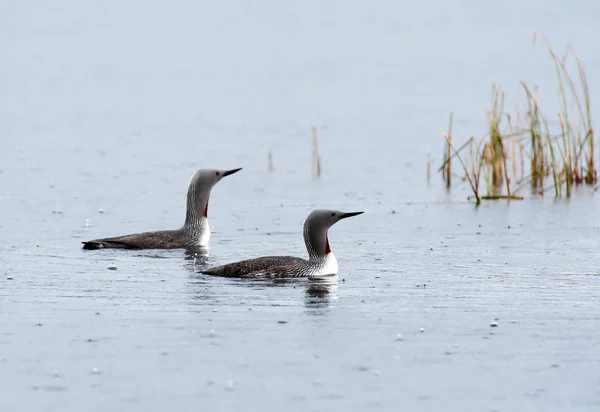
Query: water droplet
<point>95,371</point>
<point>111,267</point>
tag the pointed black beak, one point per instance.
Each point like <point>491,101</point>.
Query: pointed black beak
<point>230,172</point>
<point>350,214</point>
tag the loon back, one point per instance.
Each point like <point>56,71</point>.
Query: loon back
<point>164,239</point>
<point>263,267</point>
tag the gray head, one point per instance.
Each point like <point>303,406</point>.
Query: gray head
<point>199,189</point>
<point>316,226</point>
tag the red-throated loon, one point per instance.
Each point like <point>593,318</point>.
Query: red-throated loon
<point>321,261</point>
<point>195,232</point>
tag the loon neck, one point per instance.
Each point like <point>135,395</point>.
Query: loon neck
<point>317,243</point>
<point>196,215</point>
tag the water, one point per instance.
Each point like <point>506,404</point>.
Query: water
<point>107,109</point>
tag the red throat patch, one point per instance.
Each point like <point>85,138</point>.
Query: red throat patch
<point>327,248</point>
<point>206,209</point>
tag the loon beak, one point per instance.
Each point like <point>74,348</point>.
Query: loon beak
<point>350,214</point>
<point>230,172</point>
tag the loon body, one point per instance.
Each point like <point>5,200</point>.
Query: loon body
<point>321,261</point>
<point>195,232</point>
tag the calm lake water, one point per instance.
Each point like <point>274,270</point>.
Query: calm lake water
<point>107,109</point>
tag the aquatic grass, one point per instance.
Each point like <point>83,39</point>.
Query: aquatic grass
<point>485,158</point>
<point>495,148</point>
<point>577,137</point>
<point>473,182</point>
<point>592,175</point>
<point>563,153</point>
<point>534,132</point>
<point>584,127</point>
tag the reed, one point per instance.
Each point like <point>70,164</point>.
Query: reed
<point>534,133</point>
<point>473,182</point>
<point>270,158</point>
<point>428,168</point>
<point>315,157</point>
<point>563,154</point>
<point>447,165</point>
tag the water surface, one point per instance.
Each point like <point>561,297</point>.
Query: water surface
<point>108,108</point>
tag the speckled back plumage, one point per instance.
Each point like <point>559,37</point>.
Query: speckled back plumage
<point>263,267</point>
<point>164,239</point>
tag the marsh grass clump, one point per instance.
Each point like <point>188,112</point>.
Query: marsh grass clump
<point>561,150</point>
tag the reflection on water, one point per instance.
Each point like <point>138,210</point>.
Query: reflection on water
<point>196,258</point>
<point>320,292</point>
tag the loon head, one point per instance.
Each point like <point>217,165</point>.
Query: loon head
<point>316,226</point>
<point>207,178</point>
<point>199,189</point>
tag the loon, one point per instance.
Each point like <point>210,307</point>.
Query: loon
<point>321,261</point>
<point>194,233</point>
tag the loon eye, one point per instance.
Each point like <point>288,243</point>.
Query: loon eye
<point>332,213</point>
<point>218,173</point>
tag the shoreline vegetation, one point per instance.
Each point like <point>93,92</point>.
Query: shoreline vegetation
<point>526,148</point>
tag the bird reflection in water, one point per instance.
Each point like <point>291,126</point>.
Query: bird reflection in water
<point>196,258</point>
<point>320,292</point>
